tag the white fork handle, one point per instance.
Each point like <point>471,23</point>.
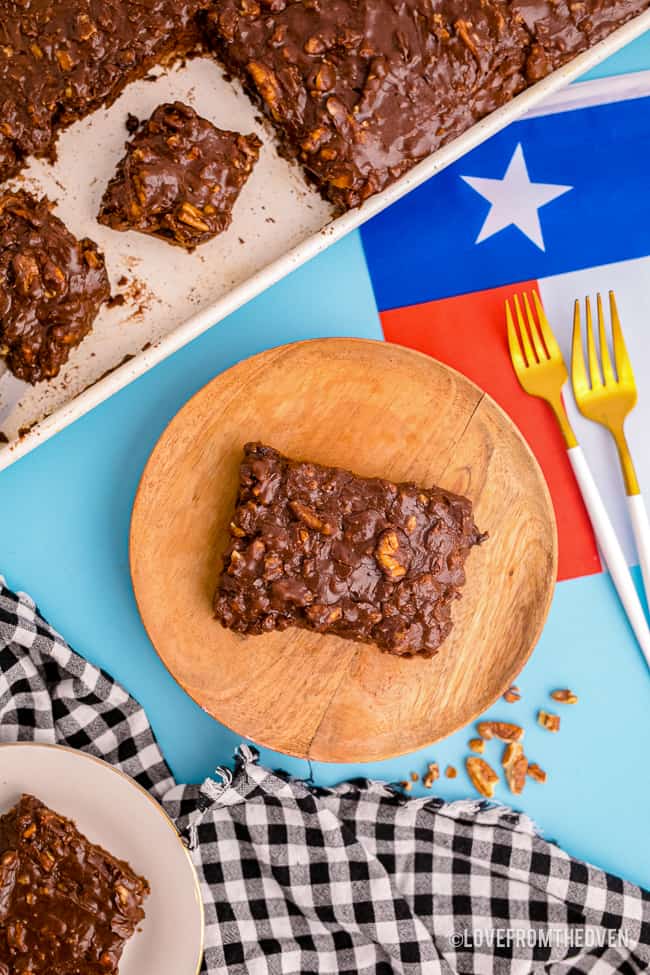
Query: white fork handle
<point>641,527</point>
<point>611,549</point>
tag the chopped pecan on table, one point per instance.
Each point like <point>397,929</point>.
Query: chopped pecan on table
<point>515,765</point>
<point>512,695</point>
<point>500,729</point>
<point>549,721</point>
<point>483,776</point>
<point>451,772</point>
<point>358,557</point>
<point>51,287</point>
<point>477,745</point>
<point>68,906</point>
<point>564,697</point>
<point>431,775</point>
<point>180,178</point>
<point>536,773</point>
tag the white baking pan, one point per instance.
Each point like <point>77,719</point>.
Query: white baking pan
<point>171,297</point>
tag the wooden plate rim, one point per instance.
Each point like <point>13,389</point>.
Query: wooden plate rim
<point>484,398</point>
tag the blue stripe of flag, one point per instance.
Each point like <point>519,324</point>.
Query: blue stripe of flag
<point>423,247</point>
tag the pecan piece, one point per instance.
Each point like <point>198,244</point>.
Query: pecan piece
<point>512,694</point>
<point>500,729</point>
<point>266,82</point>
<point>393,553</point>
<point>483,776</point>
<point>564,696</point>
<point>463,28</point>
<point>477,745</point>
<point>314,45</point>
<point>310,518</point>
<point>192,216</point>
<point>451,772</point>
<point>432,773</point>
<point>515,765</point>
<point>65,61</point>
<point>315,139</point>
<point>325,77</point>
<point>549,721</point>
<point>46,860</point>
<point>536,772</point>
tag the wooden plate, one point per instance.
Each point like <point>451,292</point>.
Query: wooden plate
<point>377,409</point>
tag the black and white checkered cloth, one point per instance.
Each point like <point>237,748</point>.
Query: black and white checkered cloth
<point>353,880</point>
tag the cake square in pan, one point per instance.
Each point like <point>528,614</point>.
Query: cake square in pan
<point>180,178</point>
<point>52,286</point>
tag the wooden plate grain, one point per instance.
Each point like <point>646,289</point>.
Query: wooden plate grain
<point>377,409</point>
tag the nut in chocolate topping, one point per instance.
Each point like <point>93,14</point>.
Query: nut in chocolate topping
<point>393,553</point>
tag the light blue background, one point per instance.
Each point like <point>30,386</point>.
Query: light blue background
<point>66,510</point>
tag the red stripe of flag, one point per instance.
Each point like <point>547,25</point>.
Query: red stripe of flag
<point>468,332</point>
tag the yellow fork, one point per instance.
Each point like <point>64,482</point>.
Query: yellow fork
<point>601,395</point>
<point>538,359</point>
<point>606,394</point>
<point>540,368</point>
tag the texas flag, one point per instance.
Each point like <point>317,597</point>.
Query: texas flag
<point>559,202</point>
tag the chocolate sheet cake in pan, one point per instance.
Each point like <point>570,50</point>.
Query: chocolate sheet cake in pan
<point>358,91</point>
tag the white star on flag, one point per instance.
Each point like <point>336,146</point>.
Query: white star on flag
<point>515,200</point>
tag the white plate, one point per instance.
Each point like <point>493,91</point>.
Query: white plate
<point>114,811</point>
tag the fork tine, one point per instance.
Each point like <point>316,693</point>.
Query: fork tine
<point>516,355</point>
<point>525,339</point>
<point>621,358</point>
<point>534,331</point>
<point>606,362</point>
<point>552,347</point>
<point>592,355</point>
<point>579,377</point>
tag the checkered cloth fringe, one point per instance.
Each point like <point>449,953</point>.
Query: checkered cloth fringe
<point>356,879</point>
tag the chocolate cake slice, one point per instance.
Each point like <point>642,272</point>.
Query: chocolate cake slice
<point>67,906</point>
<point>358,557</point>
<point>180,178</point>
<point>52,286</point>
